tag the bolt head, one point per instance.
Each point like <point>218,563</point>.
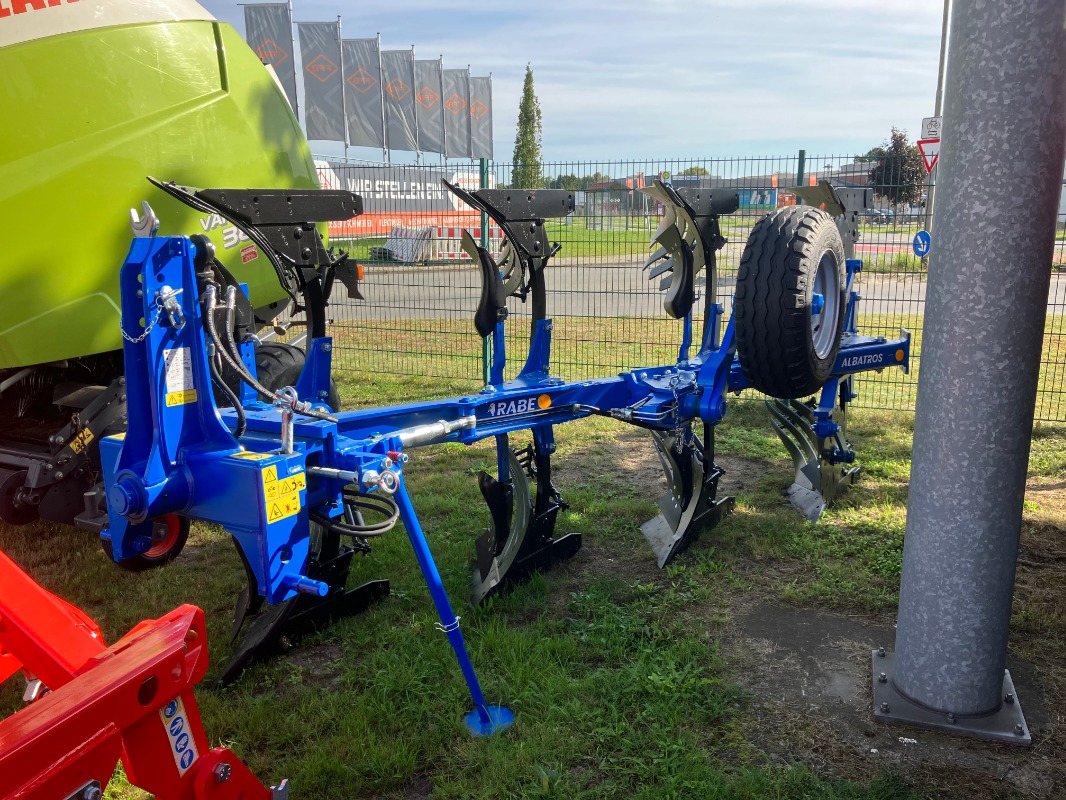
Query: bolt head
<point>951,718</point>
<point>884,708</point>
<point>222,772</point>
<point>1008,698</point>
<point>92,793</point>
<point>882,678</point>
<point>881,652</point>
<point>1019,729</point>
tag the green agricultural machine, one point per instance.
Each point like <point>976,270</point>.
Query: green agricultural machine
<point>99,94</point>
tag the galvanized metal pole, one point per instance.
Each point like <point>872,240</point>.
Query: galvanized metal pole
<point>1002,159</point>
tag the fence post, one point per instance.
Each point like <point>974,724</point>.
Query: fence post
<point>486,343</point>
<point>1002,158</point>
<point>801,167</point>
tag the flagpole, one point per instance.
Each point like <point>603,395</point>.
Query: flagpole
<point>344,107</point>
<point>414,107</point>
<point>443,121</point>
<point>384,127</point>
<point>469,124</point>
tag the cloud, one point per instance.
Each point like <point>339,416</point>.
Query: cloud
<point>635,79</point>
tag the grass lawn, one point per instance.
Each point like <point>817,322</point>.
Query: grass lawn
<point>626,681</point>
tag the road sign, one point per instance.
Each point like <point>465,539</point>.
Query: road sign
<point>931,127</point>
<point>930,150</point>
<point>921,244</point>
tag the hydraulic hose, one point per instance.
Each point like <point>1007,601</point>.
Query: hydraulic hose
<point>304,408</point>
<point>381,504</point>
<point>216,378</point>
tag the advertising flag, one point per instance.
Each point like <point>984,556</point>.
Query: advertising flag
<point>268,31</point>
<point>362,92</point>
<point>481,117</point>
<point>457,113</point>
<point>398,75</point>
<point>428,91</point>
<point>320,45</point>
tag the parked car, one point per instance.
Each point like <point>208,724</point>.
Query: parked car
<point>877,216</point>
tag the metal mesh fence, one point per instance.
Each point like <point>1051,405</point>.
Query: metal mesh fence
<point>417,315</point>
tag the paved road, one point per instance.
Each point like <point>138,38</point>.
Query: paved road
<point>596,289</point>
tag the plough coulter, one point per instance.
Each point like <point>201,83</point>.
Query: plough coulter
<point>304,487</point>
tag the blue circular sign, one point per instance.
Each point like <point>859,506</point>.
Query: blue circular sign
<point>921,244</point>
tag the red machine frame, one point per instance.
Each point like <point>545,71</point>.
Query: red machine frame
<point>133,700</point>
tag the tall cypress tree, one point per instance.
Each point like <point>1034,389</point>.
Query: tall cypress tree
<point>526,163</point>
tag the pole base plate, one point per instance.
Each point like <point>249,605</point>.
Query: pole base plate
<point>500,719</point>
<point>1006,724</point>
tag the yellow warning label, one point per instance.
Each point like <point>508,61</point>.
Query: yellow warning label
<point>281,498</point>
<point>181,398</point>
<point>285,506</point>
<point>248,454</point>
<point>78,443</point>
<point>293,483</point>
<point>118,436</point>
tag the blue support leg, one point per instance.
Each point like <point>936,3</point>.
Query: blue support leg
<point>484,720</point>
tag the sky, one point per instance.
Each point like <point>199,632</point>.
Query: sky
<point>671,80</point>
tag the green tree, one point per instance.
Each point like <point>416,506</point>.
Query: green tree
<point>898,173</point>
<point>695,170</point>
<point>872,154</point>
<point>526,162</point>
<point>569,181</point>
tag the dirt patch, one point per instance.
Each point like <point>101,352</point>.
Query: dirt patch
<point>420,787</point>
<point>809,674</point>
<point>1047,497</point>
<point>315,666</point>
<point>633,462</point>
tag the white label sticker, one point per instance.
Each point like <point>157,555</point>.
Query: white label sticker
<point>182,747</point>
<point>179,369</point>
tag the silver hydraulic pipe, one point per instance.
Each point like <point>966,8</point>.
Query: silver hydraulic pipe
<point>424,434</point>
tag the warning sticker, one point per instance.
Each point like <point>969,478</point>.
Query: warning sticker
<point>281,498</point>
<point>178,366</point>
<point>287,505</point>
<point>252,456</point>
<point>182,747</point>
<point>181,398</point>
<point>79,442</point>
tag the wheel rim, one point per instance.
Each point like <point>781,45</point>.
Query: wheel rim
<point>165,533</point>
<point>824,324</point>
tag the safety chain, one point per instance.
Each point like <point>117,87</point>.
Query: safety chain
<point>682,432</point>
<point>147,330</point>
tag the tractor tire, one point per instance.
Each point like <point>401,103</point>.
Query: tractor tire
<point>168,540</point>
<point>278,365</point>
<point>790,302</point>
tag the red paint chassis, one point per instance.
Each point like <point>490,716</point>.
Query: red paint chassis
<point>133,700</point>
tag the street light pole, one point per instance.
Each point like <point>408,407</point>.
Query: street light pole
<point>930,181</point>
